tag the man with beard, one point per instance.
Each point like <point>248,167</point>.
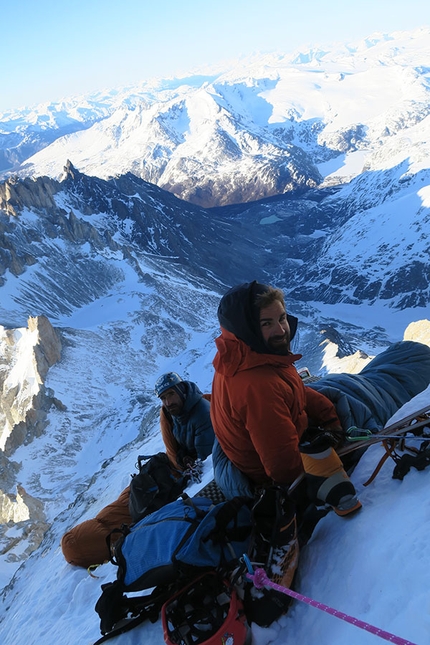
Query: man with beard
<point>185,421</point>
<point>267,422</point>
<point>188,435</point>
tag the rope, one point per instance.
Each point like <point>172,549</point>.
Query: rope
<point>260,579</point>
<point>389,449</point>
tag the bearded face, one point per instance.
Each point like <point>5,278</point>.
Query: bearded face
<point>275,328</point>
<point>172,401</point>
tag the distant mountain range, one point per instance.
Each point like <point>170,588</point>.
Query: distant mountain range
<point>270,125</point>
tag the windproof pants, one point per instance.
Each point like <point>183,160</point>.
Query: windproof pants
<point>86,543</point>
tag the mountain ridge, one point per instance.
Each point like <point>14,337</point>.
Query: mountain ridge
<point>268,125</point>
<point>308,236</point>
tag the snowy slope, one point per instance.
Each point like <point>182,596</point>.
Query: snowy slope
<point>373,566</point>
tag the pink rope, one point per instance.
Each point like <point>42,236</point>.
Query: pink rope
<point>260,579</point>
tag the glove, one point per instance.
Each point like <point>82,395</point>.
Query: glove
<point>183,458</point>
<point>316,440</point>
<point>337,435</point>
<point>187,462</point>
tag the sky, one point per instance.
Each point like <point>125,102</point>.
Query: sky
<point>52,50</point>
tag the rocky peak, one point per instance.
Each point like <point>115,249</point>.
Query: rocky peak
<point>69,171</point>
<point>36,194</point>
<point>26,355</point>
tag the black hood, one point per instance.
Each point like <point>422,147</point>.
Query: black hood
<point>238,314</point>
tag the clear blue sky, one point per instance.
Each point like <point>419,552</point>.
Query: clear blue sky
<point>51,49</point>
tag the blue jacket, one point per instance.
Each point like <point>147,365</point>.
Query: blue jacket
<point>192,429</point>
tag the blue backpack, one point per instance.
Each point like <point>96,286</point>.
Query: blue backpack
<point>170,547</point>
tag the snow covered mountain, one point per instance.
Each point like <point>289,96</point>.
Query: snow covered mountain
<point>121,280</point>
<point>270,125</point>
<point>107,279</point>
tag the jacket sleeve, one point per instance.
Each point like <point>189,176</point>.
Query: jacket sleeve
<point>267,417</point>
<point>172,446</point>
<point>320,410</point>
<point>203,433</point>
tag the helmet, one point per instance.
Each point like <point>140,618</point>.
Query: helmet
<point>207,611</point>
<point>166,381</point>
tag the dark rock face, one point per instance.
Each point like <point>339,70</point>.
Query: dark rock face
<point>284,239</point>
<point>287,172</point>
<point>413,281</point>
<point>23,407</point>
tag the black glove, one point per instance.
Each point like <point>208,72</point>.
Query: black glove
<point>338,436</point>
<point>187,462</point>
<point>183,458</point>
<point>316,440</point>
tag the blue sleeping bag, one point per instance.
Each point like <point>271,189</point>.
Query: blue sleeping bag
<point>391,379</point>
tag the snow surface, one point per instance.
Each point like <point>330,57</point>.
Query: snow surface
<point>374,566</point>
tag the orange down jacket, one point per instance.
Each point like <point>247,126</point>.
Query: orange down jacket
<point>260,409</point>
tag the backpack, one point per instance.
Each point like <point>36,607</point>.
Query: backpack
<point>156,484</point>
<point>166,550</point>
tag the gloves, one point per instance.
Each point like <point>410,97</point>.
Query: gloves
<point>187,462</point>
<point>316,440</point>
<point>194,469</point>
<point>183,458</point>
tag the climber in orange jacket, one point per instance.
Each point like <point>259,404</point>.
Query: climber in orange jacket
<point>267,422</point>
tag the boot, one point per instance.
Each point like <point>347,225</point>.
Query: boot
<point>328,482</point>
<point>277,550</point>
<point>276,527</point>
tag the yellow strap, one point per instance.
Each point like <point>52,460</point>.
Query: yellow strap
<point>92,568</point>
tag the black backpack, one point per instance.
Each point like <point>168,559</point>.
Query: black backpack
<point>156,484</point>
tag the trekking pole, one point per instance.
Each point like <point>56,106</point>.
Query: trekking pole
<point>382,437</point>
<point>260,580</point>
<point>362,435</point>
